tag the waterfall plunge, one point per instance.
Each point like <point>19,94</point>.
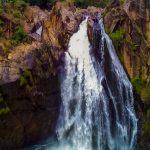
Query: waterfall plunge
<point>97,100</point>
<point>97,111</point>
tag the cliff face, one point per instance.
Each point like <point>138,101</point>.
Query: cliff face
<point>133,18</point>
<point>29,85</point>
<point>28,117</point>
<point>128,26</point>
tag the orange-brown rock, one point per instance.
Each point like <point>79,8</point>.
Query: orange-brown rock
<point>133,17</point>
<point>33,107</point>
<point>132,20</point>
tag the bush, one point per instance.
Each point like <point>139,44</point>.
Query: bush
<point>18,4</point>
<point>141,86</point>
<point>14,9</point>
<point>138,83</point>
<point>19,35</point>
<point>103,3</point>
<point>5,110</point>
<point>117,37</point>
<point>132,45</point>
<point>26,80</point>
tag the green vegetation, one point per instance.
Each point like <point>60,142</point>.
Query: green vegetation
<point>122,1</point>
<point>26,80</point>
<point>103,3</point>
<point>132,45</point>
<point>12,4</point>
<point>117,37</point>
<point>19,35</point>
<point>5,110</point>
<point>11,31</point>
<point>141,87</point>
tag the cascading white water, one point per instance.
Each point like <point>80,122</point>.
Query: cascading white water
<point>97,111</point>
<point>97,100</point>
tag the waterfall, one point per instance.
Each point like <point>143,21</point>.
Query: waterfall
<point>97,110</point>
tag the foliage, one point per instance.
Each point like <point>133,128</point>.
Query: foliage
<point>103,3</point>
<point>132,45</point>
<point>17,15</point>
<point>19,35</point>
<point>26,80</point>
<point>13,9</point>
<point>117,37</point>
<point>142,87</point>
<point>13,4</point>
<point>5,110</point>
<point>138,83</point>
<point>122,1</point>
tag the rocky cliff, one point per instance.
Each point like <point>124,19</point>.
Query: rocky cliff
<point>133,21</point>
<point>29,85</point>
<point>128,26</point>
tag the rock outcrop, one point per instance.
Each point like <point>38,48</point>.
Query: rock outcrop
<point>29,85</point>
<point>128,26</point>
<point>136,49</point>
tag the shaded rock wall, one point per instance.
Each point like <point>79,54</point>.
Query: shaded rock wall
<point>32,116</point>
<point>133,18</point>
<point>135,50</point>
